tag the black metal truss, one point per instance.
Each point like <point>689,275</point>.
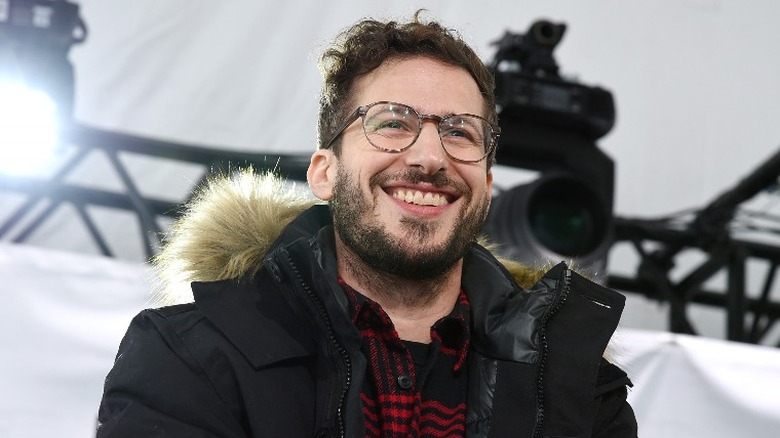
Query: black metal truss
<point>43,197</point>
<point>749,318</point>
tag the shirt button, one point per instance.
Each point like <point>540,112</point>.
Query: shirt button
<point>404,381</point>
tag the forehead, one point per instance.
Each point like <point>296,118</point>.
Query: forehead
<point>426,84</point>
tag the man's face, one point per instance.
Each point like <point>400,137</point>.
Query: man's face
<point>412,213</point>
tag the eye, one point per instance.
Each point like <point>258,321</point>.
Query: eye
<point>392,123</point>
<point>454,132</point>
<point>461,129</point>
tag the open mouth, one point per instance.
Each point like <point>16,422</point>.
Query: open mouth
<point>418,197</point>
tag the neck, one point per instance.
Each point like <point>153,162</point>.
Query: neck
<point>412,305</point>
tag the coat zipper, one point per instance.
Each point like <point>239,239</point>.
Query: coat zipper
<point>565,286</point>
<point>334,341</point>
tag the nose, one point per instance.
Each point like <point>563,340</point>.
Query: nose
<point>427,152</point>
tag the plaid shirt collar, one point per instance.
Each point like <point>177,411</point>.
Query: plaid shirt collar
<point>452,333</point>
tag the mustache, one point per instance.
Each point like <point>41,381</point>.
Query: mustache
<point>416,176</point>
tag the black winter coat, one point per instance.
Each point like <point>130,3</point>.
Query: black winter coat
<point>276,356</point>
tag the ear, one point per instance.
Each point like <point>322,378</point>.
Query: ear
<point>322,173</point>
<point>489,186</point>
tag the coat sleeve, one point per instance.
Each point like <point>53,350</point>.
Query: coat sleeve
<point>614,417</point>
<point>157,388</point>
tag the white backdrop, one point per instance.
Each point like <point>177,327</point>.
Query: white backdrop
<point>63,316</point>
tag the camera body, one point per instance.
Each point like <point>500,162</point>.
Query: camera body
<point>550,124</point>
<point>529,86</point>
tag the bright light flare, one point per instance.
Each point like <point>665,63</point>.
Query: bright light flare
<point>28,129</point>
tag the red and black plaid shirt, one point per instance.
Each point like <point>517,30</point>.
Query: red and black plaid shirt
<point>413,389</point>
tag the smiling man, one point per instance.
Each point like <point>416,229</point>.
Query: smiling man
<point>377,313</point>
<point>409,192</point>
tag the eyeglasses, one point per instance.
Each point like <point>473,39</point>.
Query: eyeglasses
<point>394,127</point>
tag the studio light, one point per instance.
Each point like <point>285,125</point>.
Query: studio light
<point>550,124</point>
<point>28,128</point>
<point>36,78</point>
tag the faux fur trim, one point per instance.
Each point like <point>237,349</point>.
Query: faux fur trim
<point>225,231</point>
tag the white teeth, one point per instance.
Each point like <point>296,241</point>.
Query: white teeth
<point>418,198</point>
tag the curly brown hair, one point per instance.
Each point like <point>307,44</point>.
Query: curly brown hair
<point>364,46</point>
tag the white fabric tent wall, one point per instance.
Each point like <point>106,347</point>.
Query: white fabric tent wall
<point>64,314</point>
<point>698,387</point>
<point>62,317</point>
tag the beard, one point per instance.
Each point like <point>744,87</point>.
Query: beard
<point>373,244</point>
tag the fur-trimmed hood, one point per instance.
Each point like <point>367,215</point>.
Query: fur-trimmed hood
<point>229,226</point>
